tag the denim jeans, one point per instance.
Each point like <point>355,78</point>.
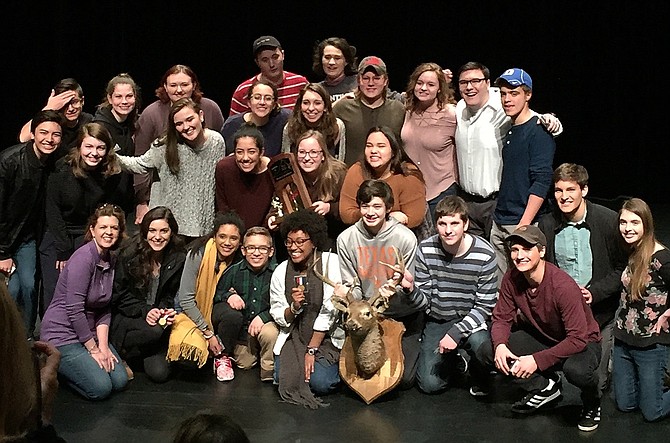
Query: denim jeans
<point>22,283</point>
<point>435,369</point>
<point>324,379</point>
<point>638,379</point>
<point>84,375</point>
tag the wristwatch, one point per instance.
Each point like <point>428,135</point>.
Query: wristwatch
<point>312,351</point>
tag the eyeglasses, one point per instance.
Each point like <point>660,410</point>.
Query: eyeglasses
<point>312,154</point>
<point>298,242</point>
<point>473,82</point>
<point>109,205</point>
<point>75,102</point>
<point>262,249</point>
<point>266,98</point>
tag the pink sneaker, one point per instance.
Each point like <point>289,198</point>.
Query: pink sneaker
<point>223,368</point>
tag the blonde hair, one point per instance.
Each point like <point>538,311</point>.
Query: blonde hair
<point>331,172</point>
<point>18,396</point>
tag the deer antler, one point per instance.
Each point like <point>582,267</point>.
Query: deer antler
<point>324,278</point>
<point>398,268</point>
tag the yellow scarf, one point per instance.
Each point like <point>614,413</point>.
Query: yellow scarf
<point>186,340</point>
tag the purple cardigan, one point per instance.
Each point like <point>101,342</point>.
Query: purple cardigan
<point>82,298</point>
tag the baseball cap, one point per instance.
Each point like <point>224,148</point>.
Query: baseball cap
<point>373,62</point>
<point>266,41</point>
<point>529,234</point>
<point>515,77</point>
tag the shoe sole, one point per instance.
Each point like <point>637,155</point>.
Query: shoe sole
<point>553,397</point>
<point>587,428</point>
<point>479,393</point>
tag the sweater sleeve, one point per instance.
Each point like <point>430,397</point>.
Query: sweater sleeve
<point>541,155</point>
<point>572,309</point>
<point>423,284</point>
<point>54,216</point>
<point>503,313</point>
<point>147,131</point>
<point>485,301</point>
<point>144,163</point>
<point>348,271</point>
<point>411,199</point>
<point>342,144</point>
<point>187,287</point>
<point>124,300</point>
<point>278,303</point>
<point>349,212</point>
<point>80,273</point>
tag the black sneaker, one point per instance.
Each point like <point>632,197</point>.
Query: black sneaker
<point>590,419</point>
<point>479,391</point>
<point>538,398</point>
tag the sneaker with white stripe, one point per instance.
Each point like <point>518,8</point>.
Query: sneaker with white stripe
<point>538,398</point>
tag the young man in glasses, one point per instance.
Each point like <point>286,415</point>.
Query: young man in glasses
<point>480,129</point>
<point>370,107</point>
<point>241,310</point>
<point>24,170</point>
<point>269,57</point>
<point>363,248</point>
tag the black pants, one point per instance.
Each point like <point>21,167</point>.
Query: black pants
<point>580,369</point>
<point>480,213</point>
<point>134,338</point>
<point>228,324</point>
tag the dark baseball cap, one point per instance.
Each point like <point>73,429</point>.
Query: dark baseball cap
<point>530,234</point>
<point>266,41</point>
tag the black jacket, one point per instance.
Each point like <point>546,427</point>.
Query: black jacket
<point>609,258</point>
<point>131,301</point>
<point>22,187</point>
<point>71,200</point>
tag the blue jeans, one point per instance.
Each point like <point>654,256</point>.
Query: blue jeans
<point>435,369</point>
<point>638,379</point>
<point>324,379</point>
<point>84,375</point>
<point>22,283</point>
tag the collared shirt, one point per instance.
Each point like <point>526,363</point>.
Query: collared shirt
<point>253,287</point>
<point>573,251</point>
<point>479,144</point>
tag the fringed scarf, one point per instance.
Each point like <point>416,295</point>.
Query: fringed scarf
<point>292,386</point>
<point>186,341</point>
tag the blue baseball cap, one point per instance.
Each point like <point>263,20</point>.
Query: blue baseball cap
<point>515,77</point>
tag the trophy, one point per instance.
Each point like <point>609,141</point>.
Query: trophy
<point>290,190</point>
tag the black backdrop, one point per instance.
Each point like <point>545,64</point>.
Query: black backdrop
<point>600,66</point>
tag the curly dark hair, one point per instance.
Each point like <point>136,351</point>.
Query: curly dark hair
<point>311,223</point>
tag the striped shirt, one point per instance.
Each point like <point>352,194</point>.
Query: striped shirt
<point>456,289</point>
<point>287,92</point>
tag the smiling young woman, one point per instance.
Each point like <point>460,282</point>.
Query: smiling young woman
<point>185,159</point>
<point>78,319</point>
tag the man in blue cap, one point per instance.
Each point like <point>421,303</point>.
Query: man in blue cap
<point>528,155</point>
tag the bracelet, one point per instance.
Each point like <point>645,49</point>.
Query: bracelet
<point>94,350</point>
<point>207,337</point>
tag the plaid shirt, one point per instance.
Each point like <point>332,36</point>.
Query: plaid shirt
<point>253,287</point>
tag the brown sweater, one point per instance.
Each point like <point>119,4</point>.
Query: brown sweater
<point>409,195</point>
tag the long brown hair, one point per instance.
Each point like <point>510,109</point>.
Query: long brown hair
<point>109,164</point>
<point>327,124</point>
<point>445,93</point>
<point>172,137</point>
<point>641,252</point>
<point>332,171</point>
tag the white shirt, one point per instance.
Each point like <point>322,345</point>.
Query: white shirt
<point>479,143</point>
<point>479,137</point>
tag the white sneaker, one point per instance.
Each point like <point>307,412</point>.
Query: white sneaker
<point>223,368</point>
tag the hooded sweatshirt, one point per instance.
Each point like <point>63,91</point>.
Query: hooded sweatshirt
<point>360,253</point>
